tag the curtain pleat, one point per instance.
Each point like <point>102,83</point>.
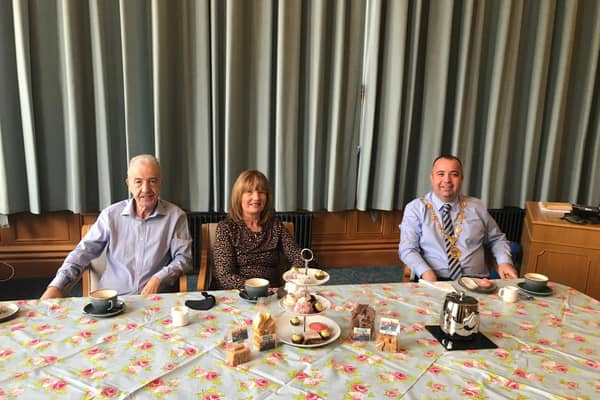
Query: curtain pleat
<point>109,117</point>
<point>12,156</point>
<point>287,103</point>
<point>26,108</point>
<point>342,104</point>
<point>505,85</point>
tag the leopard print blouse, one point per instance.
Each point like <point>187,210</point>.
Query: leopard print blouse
<point>240,254</point>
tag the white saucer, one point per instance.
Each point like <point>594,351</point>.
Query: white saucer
<point>546,291</point>
<point>8,310</point>
<point>285,330</point>
<point>89,310</point>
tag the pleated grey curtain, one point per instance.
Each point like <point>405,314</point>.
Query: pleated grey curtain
<point>511,87</point>
<point>215,87</point>
<point>210,87</point>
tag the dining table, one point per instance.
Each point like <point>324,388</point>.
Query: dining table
<point>547,348</point>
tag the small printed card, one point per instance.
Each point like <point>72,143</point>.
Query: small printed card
<point>362,334</point>
<point>267,342</point>
<point>389,326</point>
<point>237,335</point>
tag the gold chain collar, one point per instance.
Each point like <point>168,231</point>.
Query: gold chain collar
<point>454,250</point>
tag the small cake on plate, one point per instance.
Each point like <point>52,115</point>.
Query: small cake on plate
<point>297,338</point>
<point>484,282</point>
<point>308,304</point>
<point>303,306</point>
<point>312,337</point>
<point>317,326</point>
<point>318,307</point>
<point>319,274</point>
<point>325,334</point>
<point>290,300</point>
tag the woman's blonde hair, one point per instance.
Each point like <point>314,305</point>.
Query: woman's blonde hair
<point>250,180</point>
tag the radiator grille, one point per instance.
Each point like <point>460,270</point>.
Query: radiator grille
<point>510,220</point>
<point>302,228</point>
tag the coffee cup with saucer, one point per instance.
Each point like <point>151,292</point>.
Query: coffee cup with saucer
<point>256,287</point>
<point>104,302</point>
<point>536,284</point>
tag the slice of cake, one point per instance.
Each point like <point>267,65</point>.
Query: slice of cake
<point>312,337</point>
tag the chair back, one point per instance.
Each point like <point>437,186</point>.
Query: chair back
<point>208,239</point>
<point>207,242</point>
<point>90,278</point>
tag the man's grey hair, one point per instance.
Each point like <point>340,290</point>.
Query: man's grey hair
<point>144,158</point>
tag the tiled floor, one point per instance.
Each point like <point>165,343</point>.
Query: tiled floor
<point>17,289</point>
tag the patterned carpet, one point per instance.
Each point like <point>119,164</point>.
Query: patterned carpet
<point>19,289</point>
<point>350,275</point>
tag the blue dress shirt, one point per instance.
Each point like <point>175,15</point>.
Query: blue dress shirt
<point>138,249</point>
<point>422,245</point>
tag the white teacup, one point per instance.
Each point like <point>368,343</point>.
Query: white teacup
<point>180,316</point>
<point>509,294</point>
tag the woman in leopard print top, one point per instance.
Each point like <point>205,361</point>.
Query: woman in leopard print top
<point>251,241</point>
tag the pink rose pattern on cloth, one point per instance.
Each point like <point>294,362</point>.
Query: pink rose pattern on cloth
<point>549,345</point>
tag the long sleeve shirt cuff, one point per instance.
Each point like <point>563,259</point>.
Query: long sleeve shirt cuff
<point>61,281</point>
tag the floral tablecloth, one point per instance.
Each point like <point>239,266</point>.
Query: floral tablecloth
<point>547,348</point>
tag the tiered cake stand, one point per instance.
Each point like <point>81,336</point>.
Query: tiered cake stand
<point>305,279</point>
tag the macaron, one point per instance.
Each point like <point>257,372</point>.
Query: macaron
<point>317,326</point>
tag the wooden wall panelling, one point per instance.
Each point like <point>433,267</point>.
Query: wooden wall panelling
<point>567,253</point>
<point>356,238</point>
<point>36,245</point>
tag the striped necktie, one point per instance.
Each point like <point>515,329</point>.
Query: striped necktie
<point>453,263</point>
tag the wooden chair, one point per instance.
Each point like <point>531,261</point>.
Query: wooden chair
<point>209,237</point>
<point>91,275</point>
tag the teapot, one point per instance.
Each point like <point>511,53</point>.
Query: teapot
<point>459,318</point>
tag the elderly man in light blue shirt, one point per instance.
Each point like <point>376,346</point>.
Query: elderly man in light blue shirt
<point>430,248</point>
<point>147,239</point>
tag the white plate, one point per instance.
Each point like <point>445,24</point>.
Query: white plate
<point>324,302</point>
<point>285,330</point>
<point>474,285</point>
<point>296,277</point>
<point>7,310</point>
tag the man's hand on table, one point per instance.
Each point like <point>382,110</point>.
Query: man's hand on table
<point>52,292</point>
<point>152,286</point>
<point>507,271</point>
<point>429,275</point>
